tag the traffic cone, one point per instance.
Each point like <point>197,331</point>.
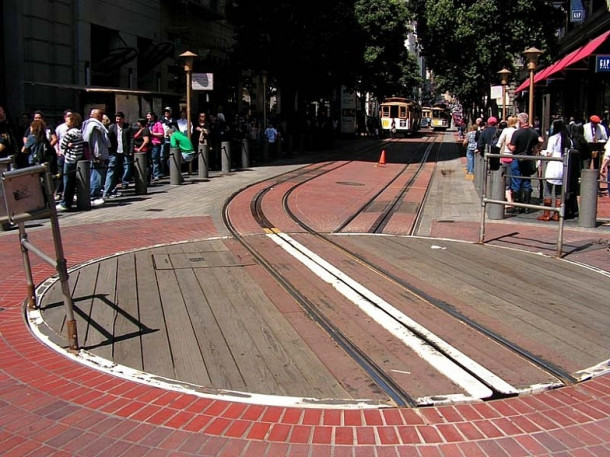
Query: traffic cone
<point>382,158</point>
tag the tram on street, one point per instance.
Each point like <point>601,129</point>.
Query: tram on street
<point>400,116</point>
<point>441,116</point>
<point>426,116</point>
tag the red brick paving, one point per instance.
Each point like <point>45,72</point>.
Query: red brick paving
<point>50,405</point>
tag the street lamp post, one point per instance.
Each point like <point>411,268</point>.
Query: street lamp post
<point>531,56</point>
<point>188,57</point>
<point>504,74</point>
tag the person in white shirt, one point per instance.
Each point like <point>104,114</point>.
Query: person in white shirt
<point>553,174</point>
<point>595,133</point>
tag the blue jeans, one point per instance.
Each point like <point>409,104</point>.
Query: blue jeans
<point>97,178</point>
<point>127,164</point>
<point>110,182</point>
<point>164,158</point>
<point>516,181</point>
<point>156,161</point>
<point>60,170</point>
<point>69,172</point>
<point>118,165</point>
<point>470,161</point>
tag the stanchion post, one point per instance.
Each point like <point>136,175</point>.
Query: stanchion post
<point>203,169</point>
<point>478,172</point>
<point>140,175</point>
<point>245,153</point>
<point>83,185</point>
<point>225,156</point>
<point>587,213</point>
<point>175,167</point>
<point>495,211</point>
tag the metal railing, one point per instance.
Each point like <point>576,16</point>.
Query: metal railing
<point>498,177</point>
<point>28,194</point>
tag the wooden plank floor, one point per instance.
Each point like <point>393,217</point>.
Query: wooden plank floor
<point>204,313</point>
<point>191,312</point>
<point>553,307</point>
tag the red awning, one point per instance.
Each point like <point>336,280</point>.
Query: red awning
<point>573,57</point>
<point>591,46</point>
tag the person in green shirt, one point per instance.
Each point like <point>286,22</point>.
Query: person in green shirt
<point>181,141</point>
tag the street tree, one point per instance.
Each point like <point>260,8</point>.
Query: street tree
<point>388,68</point>
<point>467,42</point>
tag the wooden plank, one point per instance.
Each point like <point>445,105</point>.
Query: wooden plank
<point>103,309</point>
<point>528,280</point>
<point>52,307</point>
<point>82,299</point>
<point>514,297</point>
<point>198,259</point>
<point>188,361</point>
<point>127,348</point>
<point>222,368</point>
<point>301,366</point>
<point>256,373</point>
<point>156,353</point>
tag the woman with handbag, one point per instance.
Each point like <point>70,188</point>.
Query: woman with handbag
<point>553,174</point>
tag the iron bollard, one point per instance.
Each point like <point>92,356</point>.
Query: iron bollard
<point>495,211</point>
<point>140,175</point>
<point>83,187</point>
<point>225,156</point>
<point>587,214</point>
<point>203,169</point>
<point>478,173</point>
<point>245,153</point>
<point>175,167</point>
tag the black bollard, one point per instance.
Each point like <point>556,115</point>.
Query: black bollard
<point>83,187</point>
<point>140,173</point>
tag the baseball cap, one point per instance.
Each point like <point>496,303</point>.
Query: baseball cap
<point>492,121</point>
<point>167,108</point>
<point>595,119</point>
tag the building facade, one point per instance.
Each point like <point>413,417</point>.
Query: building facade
<point>115,54</point>
<point>573,85</point>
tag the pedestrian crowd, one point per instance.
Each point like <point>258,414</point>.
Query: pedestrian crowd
<point>108,146</point>
<point>587,142</point>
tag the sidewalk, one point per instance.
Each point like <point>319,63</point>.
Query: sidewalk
<point>50,405</point>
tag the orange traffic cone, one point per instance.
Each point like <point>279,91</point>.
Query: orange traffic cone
<point>382,158</point>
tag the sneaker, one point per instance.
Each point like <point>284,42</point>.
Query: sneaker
<point>61,208</point>
<point>115,195</point>
<point>98,202</point>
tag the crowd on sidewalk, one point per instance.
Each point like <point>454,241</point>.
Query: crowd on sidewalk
<point>108,146</point>
<point>587,143</point>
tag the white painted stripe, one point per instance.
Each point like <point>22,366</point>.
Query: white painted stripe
<point>474,367</point>
<point>388,315</point>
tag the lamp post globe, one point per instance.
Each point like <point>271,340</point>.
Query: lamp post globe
<point>531,57</point>
<point>504,74</point>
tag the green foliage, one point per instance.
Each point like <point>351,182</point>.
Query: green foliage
<point>467,42</point>
<point>313,47</point>
<point>388,69</point>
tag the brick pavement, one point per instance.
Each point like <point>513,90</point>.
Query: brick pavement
<point>50,405</point>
